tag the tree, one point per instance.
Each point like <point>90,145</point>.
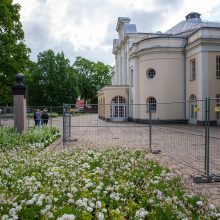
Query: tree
<point>14,54</point>
<point>51,80</point>
<point>92,77</point>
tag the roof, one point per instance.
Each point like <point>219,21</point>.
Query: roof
<point>130,28</point>
<point>192,22</point>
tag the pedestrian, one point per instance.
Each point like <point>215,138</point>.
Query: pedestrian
<point>45,117</point>
<point>41,121</point>
<point>37,117</point>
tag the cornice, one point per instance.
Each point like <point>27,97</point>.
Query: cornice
<point>121,44</point>
<point>151,50</point>
<point>201,41</point>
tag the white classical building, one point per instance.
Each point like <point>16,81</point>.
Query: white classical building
<point>179,65</point>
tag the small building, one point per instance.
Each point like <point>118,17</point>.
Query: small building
<point>179,65</point>
<point>80,104</point>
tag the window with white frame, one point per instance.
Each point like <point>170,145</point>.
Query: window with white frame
<point>151,104</point>
<point>150,73</point>
<point>218,67</point>
<point>193,69</point>
<point>118,107</point>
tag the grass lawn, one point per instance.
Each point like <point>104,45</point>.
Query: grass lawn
<point>112,183</point>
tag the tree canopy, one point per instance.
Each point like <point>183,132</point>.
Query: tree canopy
<point>51,80</point>
<point>14,54</point>
<point>92,77</point>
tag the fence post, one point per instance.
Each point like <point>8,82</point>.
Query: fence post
<point>0,117</point>
<point>207,178</point>
<point>69,122</point>
<point>64,121</point>
<point>207,133</point>
<point>150,130</point>
<point>51,116</point>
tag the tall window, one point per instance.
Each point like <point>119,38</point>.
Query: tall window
<point>217,67</point>
<point>193,107</point>
<point>192,69</point>
<point>151,104</point>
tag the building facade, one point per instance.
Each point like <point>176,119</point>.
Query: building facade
<point>181,65</point>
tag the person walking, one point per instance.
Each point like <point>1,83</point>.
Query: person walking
<point>37,117</point>
<point>45,117</point>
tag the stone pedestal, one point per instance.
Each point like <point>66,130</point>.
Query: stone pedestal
<point>19,92</point>
<point>20,115</point>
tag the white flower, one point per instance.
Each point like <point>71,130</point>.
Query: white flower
<point>100,216</point>
<point>30,202</point>
<point>199,203</point>
<point>89,209</point>
<point>69,195</point>
<point>85,165</point>
<point>98,204</point>
<point>4,217</point>
<point>211,207</point>
<point>141,213</point>
<point>71,201</point>
<point>67,217</point>
<point>115,196</point>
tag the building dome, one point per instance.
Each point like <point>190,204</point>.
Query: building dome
<point>193,15</point>
<point>192,22</point>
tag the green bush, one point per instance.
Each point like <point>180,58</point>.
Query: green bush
<point>33,138</point>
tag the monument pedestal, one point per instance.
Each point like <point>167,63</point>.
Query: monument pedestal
<point>20,115</point>
<point>19,91</point>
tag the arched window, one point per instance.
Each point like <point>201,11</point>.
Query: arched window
<point>193,108</point>
<point>151,104</point>
<point>192,98</point>
<point>150,73</point>
<point>118,107</point>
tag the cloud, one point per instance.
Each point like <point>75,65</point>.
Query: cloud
<point>87,27</point>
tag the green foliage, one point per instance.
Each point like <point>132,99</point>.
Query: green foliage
<point>33,138</point>
<point>30,213</point>
<point>14,54</point>
<point>92,77</point>
<point>51,81</point>
<point>84,183</point>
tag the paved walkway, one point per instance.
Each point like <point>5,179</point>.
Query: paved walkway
<point>182,146</point>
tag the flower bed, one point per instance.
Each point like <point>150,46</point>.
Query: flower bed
<point>33,138</point>
<point>94,184</point>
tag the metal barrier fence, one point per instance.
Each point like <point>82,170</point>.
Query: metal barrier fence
<point>192,140</point>
<point>55,115</point>
<point>187,132</point>
<point>6,116</point>
<point>86,127</point>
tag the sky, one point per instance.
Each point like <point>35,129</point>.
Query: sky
<point>87,27</point>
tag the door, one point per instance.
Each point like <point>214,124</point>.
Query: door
<point>118,109</point>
